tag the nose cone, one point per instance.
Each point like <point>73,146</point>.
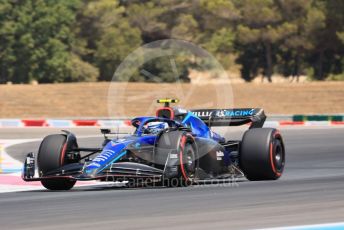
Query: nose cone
<point>111,153</point>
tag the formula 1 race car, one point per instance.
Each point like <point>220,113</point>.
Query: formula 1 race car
<point>174,148</point>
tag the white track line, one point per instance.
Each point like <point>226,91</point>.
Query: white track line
<point>326,226</point>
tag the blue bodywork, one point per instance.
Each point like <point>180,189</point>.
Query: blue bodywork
<point>145,134</point>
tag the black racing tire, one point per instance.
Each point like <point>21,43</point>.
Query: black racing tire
<point>188,160</point>
<point>51,155</point>
<point>58,184</point>
<point>183,145</point>
<point>262,154</point>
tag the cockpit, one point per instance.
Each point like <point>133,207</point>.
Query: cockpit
<point>152,125</point>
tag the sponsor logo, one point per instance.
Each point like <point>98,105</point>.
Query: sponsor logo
<point>104,156</point>
<point>202,114</point>
<point>238,113</point>
<point>224,113</point>
<point>219,153</point>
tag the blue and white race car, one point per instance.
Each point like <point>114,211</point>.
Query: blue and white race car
<point>174,148</point>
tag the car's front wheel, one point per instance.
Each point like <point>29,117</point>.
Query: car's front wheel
<point>52,155</point>
<point>180,148</point>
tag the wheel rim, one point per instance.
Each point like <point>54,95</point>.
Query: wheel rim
<point>190,162</point>
<point>279,156</point>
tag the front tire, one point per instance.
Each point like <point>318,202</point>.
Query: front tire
<point>58,184</point>
<point>182,146</point>
<point>51,156</point>
<point>262,154</point>
<point>187,160</point>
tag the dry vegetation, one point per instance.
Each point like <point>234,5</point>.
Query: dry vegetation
<point>91,99</point>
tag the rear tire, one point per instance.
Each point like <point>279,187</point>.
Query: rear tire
<point>51,156</point>
<point>262,154</point>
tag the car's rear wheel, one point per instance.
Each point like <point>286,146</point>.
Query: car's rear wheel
<point>52,155</point>
<point>262,154</point>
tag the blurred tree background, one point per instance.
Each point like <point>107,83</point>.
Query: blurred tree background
<point>85,40</point>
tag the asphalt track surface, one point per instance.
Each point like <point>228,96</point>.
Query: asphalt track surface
<point>311,191</point>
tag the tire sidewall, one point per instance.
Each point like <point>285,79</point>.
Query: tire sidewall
<point>176,142</point>
<point>187,145</point>
<point>52,155</point>
<point>257,154</point>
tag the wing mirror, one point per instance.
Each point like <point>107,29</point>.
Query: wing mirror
<point>105,131</point>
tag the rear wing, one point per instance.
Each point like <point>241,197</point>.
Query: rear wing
<point>231,117</point>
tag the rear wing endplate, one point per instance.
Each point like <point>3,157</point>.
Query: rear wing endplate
<point>232,117</point>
